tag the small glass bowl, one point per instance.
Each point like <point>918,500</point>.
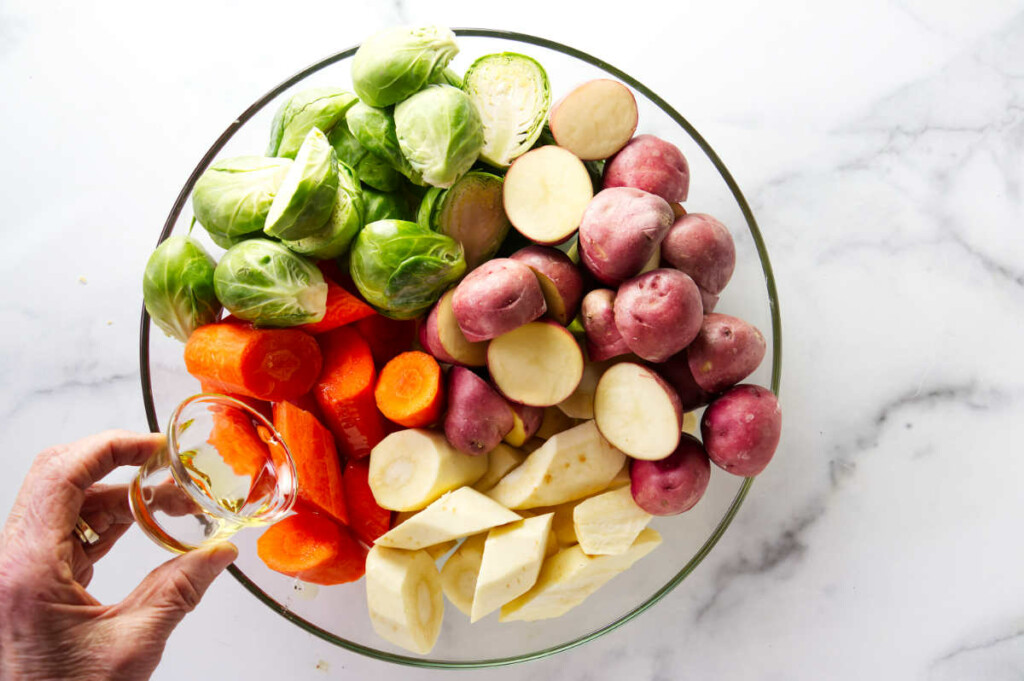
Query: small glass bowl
<point>225,467</point>
<point>338,614</point>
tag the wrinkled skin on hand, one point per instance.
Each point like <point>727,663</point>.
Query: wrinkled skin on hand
<point>50,626</point>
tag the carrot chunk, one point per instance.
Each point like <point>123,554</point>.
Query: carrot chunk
<point>344,392</point>
<point>409,391</point>
<point>387,337</point>
<point>312,548</point>
<point>342,308</point>
<point>366,518</point>
<point>268,364</point>
<point>317,468</point>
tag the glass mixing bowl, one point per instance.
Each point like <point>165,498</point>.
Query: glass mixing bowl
<point>338,614</point>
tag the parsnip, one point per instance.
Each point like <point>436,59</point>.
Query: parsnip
<point>608,523</point>
<point>501,460</point>
<point>570,576</point>
<point>403,593</point>
<point>458,576</point>
<point>511,562</point>
<point>456,514</point>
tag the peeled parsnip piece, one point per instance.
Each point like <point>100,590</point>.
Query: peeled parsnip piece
<point>621,478</point>
<point>456,514</point>
<point>546,191</point>
<point>459,574</point>
<point>638,411</point>
<point>511,562</point>
<point>501,460</point>
<point>595,120</point>
<point>569,576</point>
<point>435,551</point>
<point>412,468</point>
<point>608,523</point>
<point>403,594</point>
<point>570,465</point>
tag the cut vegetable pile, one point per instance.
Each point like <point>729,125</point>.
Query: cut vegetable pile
<point>464,346</point>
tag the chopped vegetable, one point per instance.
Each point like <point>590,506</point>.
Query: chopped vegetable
<point>178,288</point>
<point>345,392</point>
<point>366,517</point>
<point>233,196</point>
<point>387,337</point>
<point>342,308</point>
<point>333,238</point>
<point>312,548</point>
<point>317,469</point>
<point>306,197</point>
<point>409,391</point>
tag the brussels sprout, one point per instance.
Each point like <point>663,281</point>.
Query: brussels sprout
<point>471,212</point>
<point>370,169</point>
<point>265,283</point>
<point>345,222</point>
<point>439,133</point>
<point>306,197</point>
<point>402,268</point>
<point>227,242</point>
<point>396,62</point>
<point>315,108</point>
<point>375,131</point>
<point>233,196</point>
<point>512,94</point>
<point>385,206</point>
<point>177,287</point>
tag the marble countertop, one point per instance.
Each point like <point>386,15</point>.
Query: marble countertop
<point>881,145</point>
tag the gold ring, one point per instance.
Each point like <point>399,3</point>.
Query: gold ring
<point>85,534</point>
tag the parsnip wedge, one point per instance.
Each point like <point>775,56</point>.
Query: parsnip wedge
<point>458,576</point>
<point>435,551</point>
<point>456,514</point>
<point>410,469</point>
<point>608,523</point>
<point>569,576</point>
<point>570,465</point>
<point>403,593</point>
<point>511,562</point>
<point>501,460</point>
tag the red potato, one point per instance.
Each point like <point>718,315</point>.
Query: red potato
<point>708,300</point>
<point>440,335</point>
<point>560,280</point>
<point>603,338</point>
<point>478,417</point>
<point>702,247</point>
<point>525,423</point>
<point>658,313</point>
<point>594,120</point>
<point>725,351</point>
<point>652,164</point>
<point>500,295</point>
<point>677,209</point>
<point>620,231</point>
<point>546,191</point>
<point>741,429</point>
<point>674,484</point>
<point>638,412</point>
<point>676,370</point>
<point>538,364</point>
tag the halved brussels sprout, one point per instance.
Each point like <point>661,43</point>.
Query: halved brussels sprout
<point>396,62</point>
<point>375,131</point>
<point>385,206</point>
<point>512,94</point>
<point>314,108</point>
<point>370,168</point>
<point>233,196</point>
<point>402,268</point>
<point>177,287</point>
<point>471,212</point>
<point>439,133</point>
<point>306,197</point>
<point>346,220</point>
<point>265,283</point>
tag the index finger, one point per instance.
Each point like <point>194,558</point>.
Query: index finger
<point>55,486</point>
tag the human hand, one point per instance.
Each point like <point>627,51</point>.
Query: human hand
<point>50,626</point>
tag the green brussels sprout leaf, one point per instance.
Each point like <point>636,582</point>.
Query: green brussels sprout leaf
<point>346,220</point>
<point>306,196</point>
<point>233,196</point>
<point>315,108</point>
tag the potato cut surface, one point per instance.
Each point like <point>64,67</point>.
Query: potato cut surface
<point>546,191</point>
<point>636,413</point>
<point>539,364</point>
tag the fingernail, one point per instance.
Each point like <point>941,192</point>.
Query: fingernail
<point>222,555</point>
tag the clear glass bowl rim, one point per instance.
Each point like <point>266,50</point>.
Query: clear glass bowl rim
<point>776,372</point>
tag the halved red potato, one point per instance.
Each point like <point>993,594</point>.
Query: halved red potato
<point>538,364</point>
<point>546,191</point>
<point>560,280</point>
<point>441,336</point>
<point>638,412</point>
<point>594,120</point>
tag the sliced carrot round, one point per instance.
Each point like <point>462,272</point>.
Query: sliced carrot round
<point>409,391</point>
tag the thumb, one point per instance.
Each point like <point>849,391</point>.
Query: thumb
<point>174,589</point>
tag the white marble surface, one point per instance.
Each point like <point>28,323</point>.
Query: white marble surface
<point>881,145</point>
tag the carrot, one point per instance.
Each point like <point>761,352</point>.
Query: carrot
<point>317,468</point>
<point>366,518</point>
<point>342,308</point>
<point>268,364</point>
<point>312,548</point>
<point>387,337</point>
<point>344,392</point>
<point>409,390</point>
<point>235,438</point>
<point>260,406</point>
